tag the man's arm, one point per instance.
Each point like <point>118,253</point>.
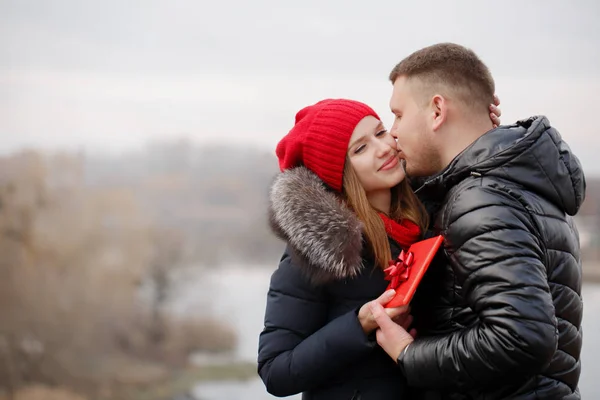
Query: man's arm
<point>497,262</point>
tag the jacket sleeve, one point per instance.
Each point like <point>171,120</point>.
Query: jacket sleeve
<point>298,350</point>
<point>497,260</point>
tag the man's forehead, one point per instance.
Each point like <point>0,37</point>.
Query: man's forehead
<point>406,89</point>
<point>399,92</point>
<point>402,84</point>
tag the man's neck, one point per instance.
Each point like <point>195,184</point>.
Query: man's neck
<point>462,136</point>
<point>380,200</point>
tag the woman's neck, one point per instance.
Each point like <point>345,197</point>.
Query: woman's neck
<point>381,200</point>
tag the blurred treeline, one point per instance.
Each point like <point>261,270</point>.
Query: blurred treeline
<point>88,250</point>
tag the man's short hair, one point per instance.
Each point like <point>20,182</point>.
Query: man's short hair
<point>452,67</point>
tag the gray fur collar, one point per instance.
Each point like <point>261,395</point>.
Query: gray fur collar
<point>324,234</point>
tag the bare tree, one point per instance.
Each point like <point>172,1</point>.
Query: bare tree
<point>167,255</point>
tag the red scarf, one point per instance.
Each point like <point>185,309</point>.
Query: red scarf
<point>404,233</point>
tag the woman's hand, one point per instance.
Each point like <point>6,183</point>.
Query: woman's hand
<point>495,112</point>
<point>366,319</point>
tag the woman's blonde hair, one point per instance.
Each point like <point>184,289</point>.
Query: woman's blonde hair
<point>404,205</point>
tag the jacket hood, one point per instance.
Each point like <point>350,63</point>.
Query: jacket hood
<point>324,234</point>
<point>530,153</point>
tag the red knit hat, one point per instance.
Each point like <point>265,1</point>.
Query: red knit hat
<point>320,137</point>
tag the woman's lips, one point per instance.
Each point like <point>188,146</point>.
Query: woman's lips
<point>389,164</point>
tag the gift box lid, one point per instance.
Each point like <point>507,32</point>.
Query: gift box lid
<point>407,271</point>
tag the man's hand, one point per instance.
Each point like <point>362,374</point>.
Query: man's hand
<point>392,337</point>
<point>495,112</point>
<point>405,321</point>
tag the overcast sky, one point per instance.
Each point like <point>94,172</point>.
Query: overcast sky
<point>111,75</point>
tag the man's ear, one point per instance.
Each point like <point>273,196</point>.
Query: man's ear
<point>439,111</point>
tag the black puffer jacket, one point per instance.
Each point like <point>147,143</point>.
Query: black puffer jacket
<point>507,308</point>
<point>312,341</point>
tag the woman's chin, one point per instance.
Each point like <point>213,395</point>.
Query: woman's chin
<point>400,175</point>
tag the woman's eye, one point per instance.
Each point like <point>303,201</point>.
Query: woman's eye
<point>359,149</point>
<point>381,133</point>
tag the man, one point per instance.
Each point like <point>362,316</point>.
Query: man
<point>507,308</point>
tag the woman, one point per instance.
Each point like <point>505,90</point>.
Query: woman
<point>345,209</point>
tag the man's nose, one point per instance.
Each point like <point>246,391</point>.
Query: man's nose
<point>394,132</point>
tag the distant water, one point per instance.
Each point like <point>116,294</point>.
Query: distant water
<point>238,295</point>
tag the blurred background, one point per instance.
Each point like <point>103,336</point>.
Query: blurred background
<point>136,151</point>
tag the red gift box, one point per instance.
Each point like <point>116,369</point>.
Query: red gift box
<point>408,269</point>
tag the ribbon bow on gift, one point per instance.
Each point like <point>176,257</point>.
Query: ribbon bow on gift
<point>399,270</point>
